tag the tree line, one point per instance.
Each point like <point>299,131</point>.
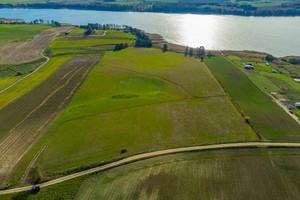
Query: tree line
<point>101,26</point>
<point>142,39</point>
<point>225,8</point>
<point>36,21</point>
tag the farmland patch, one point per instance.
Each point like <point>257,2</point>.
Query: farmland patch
<point>23,122</point>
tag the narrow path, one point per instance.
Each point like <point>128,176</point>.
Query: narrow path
<point>41,53</point>
<point>29,73</point>
<point>154,154</point>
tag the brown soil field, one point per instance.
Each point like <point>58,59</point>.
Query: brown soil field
<point>24,121</point>
<point>20,52</point>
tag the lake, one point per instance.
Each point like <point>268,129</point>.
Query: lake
<point>276,35</point>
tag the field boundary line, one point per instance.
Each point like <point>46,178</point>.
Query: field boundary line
<point>259,136</point>
<point>144,105</point>
<point>144,156</point>
<point>156,76</point>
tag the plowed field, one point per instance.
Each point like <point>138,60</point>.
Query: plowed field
<point>20,52</point>
<point>24,121</point>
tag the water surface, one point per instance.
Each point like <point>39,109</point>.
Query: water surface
<point>279,36</point>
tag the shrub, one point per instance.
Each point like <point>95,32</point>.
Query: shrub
<point>269,58</point>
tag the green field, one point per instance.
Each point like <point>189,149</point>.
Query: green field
<point>118,34</point>
<point>280,85</point>
<point>141,100</point>
<point>235,174</point>
<point>20,32</point>
<point>76,43</point>
<point>11,70</point>
<point>4,83</point>
<point>77,32</point>
<point>62,43</point>
<point>268,118</point>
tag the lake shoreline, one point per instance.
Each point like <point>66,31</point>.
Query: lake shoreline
<point>175,9</point>
<point>215,32</point>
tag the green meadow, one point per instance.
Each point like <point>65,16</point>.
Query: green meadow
<point>141,100</point>
<point>20,32</point>
<point>78,44</point>
<point>62,43</point>
<point>267,117</point>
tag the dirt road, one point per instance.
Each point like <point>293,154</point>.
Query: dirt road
<point>24,121</point>
<point>20,52</point>
<point>154,154</point>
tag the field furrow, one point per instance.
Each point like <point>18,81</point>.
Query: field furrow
<point>24,121</point>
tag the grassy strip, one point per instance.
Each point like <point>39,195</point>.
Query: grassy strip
<point>20,32</point>
<point>86,42</point>
<point>272,122</point>
<point>30,82</point>
<point>8,81</point>
<point>10,70</point>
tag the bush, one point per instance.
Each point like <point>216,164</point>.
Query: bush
<point>283,59</point>
<point>165,48</point>
<point>209,54</point>
<point>123,150</point>
<point>34,175</point>
<point>120,46</point>
<point>269,58</point>
<point>294,61</point>
<point>247,119</point>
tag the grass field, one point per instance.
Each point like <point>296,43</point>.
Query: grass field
<point>77,44</point>
<point>268,118</point>
<point>235,174</point>
<point>118,34</point>
<point>7,82</point>
<point>11,70</point>
<point>62,43</point>
<point>20,32</point>
<point>158,100</point>
<point>32,81</point>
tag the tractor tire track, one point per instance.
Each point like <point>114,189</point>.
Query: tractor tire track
<point>24,121</point>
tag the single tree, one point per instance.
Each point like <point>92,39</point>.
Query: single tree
<point>89,31</point>
<point>269,58</point>
<point>186,51</point>
<point>34,175</point>
<point>191,52</point>
<point>165,48</point>
<point>209,54</point>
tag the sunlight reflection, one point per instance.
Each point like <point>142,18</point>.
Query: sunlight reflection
<point>205,30</point>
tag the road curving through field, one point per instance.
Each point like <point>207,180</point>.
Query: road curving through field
<point>154,154</point>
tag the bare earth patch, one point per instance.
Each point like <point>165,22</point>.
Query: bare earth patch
<point>20,52</point>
